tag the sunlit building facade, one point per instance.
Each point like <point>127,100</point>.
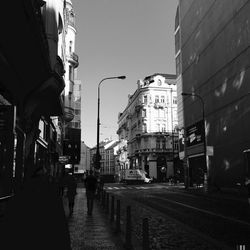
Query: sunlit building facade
<point>72,92</point>
<point>148,126</point>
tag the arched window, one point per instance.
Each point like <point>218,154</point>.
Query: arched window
<point>156,99</point>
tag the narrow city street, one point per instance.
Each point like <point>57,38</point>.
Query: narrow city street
<point>220,218</point>
<point>99,96</point>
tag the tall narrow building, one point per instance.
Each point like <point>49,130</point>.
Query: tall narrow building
<point>72,93</point>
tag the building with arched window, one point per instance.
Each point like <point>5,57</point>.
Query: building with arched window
<point>147,125</point>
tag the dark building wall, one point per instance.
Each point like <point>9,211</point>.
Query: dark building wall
<point>215,37</point>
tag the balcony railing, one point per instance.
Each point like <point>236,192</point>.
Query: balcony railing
<point>153,150</point>
<point>73,58</point>
<point>160,105</point>
<point>68,114</point>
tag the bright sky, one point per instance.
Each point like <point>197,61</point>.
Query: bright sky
<point>119,37</point>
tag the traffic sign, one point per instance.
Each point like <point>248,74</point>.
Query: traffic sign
<point>64,159</point>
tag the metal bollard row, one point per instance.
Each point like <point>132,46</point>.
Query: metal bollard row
<point>107,201</point>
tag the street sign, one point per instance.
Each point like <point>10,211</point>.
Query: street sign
<point>210,150</point>
<point>64,159</point>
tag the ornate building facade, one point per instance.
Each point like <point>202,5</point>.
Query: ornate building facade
<point>147,127</point>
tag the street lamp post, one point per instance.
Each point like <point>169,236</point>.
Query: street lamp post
<point>204,132</point>
<point>98,156</point>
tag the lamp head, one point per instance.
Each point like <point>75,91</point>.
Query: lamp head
<point>121,77</point>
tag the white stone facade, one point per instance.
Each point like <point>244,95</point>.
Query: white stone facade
<point>148,123</point>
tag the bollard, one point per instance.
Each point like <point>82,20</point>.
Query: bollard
<point>128,242</point>
<point>112,209</point>
<point>103,198</point>
<point>205,183</point>
<point>118,216</point>
<point>107,203</point>
<point>145,235</point>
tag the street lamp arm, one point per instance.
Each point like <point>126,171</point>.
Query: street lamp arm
<point>194,94</point>
<point>109,78</point>
<point>200,98</point>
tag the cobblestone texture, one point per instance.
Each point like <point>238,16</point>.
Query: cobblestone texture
<point>89,232</point>
<point>165,232</point>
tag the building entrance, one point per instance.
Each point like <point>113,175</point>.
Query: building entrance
<point>197,169</point>
<point>161,175</point>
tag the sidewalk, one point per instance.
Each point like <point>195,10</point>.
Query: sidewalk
<point>89,232</point>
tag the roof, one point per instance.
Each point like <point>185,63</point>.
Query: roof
<point>168,76</point>
<point>111,145</point>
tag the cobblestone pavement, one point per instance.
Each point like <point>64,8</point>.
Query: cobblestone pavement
<point>165,232</point>
<point>89,232</point>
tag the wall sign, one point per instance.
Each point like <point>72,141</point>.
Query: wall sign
<point>195,134</point>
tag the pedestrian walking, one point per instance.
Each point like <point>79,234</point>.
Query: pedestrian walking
<point>247,183</point>
<point>90,185</point>
<point>61,184</point>
<point>71,192</point>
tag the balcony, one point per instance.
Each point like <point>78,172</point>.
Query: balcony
<point>68,114</point>
<point>73,59</point>
<point>160,105</point>
<point>138,107</point>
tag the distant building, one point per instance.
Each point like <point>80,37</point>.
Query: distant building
<point>147,127</point>
<point>107,161</point>
<point>109,158</point>
<point>121,158</point>
<point>84,164</point>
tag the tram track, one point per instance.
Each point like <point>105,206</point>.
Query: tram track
<point>222,228</point>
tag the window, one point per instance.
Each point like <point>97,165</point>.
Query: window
<point>175,117</point>
<point>158,128</point>
<point>71,73</point>
<point>176,145</point>
<point>144,113</point>
<point>163,143</point>
<point>174,100</point>
<point>163,129</point>
<point>144,128</point>
<point>70,47</point>
<point>156,98</point>
<point>177,42</point>
<point>70,98</point>
<point>162,98</point>
<point>177,18</point>
<point>178,65</point>
<point>158,143</point>
<point>77,112</point>
<point>145,99</point>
